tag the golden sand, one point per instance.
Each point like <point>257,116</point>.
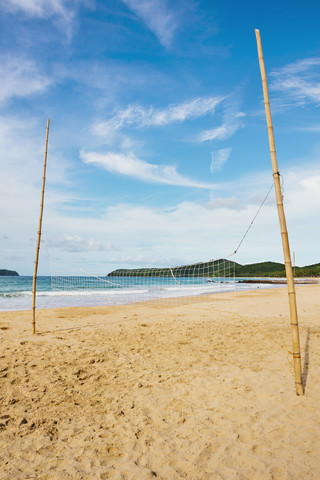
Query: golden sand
<point>142,392</point>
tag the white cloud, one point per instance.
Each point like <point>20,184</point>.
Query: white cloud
<point>20,77</point>
<point>300,81</point>
<point>311,183</point>
<point>75,243</point>
<point>219,158</point>
<point>131,166</point>
<point>157,16</point>
<point>146,117</point>
<point>188,232</point>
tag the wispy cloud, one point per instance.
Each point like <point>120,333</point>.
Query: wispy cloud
<point>20,77</point>
<point>131,166</point>
<point>229,203</point>
<point>219,158</point>
<point>230,125</point>
<point>232,120</point>
<point>300,66</point>
<point>157,16</point>
<point>59,9</point>
<point>140,116</point>
<point>36,8</point>
<point>300,81</point>
<point>311,128</point>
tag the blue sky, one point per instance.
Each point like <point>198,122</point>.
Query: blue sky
<point>158,150</point>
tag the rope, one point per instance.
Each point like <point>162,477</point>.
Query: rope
<point>174,277</point>
<point>247,231</point>
<point>290,364</point>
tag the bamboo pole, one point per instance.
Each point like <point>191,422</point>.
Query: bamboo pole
<point>283,227</point>
<point>39,234</point>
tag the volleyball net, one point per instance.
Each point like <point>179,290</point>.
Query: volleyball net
<point>177,283</point>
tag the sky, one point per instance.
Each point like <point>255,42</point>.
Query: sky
<point>158,150</point>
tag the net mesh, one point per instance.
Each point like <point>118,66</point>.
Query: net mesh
<point>159,285</point>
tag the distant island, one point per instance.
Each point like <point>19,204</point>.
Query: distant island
<point>211,269</point>
<point>8,273</point>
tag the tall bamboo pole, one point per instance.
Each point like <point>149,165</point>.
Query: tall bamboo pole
<point>39,234</point>
<point>283,228</point>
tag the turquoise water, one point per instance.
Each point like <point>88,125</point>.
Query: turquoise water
<point>16,292</point>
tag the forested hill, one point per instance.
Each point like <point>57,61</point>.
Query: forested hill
<point>8,273</point>
<point>211,269</point>
<point>273,269</point>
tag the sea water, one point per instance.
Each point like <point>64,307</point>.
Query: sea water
<point>16,292</point>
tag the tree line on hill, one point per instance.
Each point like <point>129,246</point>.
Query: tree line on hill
<point>212,269</point>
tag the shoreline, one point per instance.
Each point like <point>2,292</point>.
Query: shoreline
<point>276,280</point>
<point>52,304</point>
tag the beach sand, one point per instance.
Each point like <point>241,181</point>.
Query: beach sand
<point>143,391</point>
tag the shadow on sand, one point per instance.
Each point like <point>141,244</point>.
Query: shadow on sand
<point>306,361</point>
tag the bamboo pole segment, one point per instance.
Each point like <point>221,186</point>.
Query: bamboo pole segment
<point>283,227</point>
<point>39,234</point>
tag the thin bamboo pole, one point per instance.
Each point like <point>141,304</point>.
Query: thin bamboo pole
<point>283,227</point>
<point>34,289</point>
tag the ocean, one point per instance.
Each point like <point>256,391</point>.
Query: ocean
<point>54,292</point>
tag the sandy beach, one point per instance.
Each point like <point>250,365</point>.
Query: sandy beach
<point>170,392</point>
